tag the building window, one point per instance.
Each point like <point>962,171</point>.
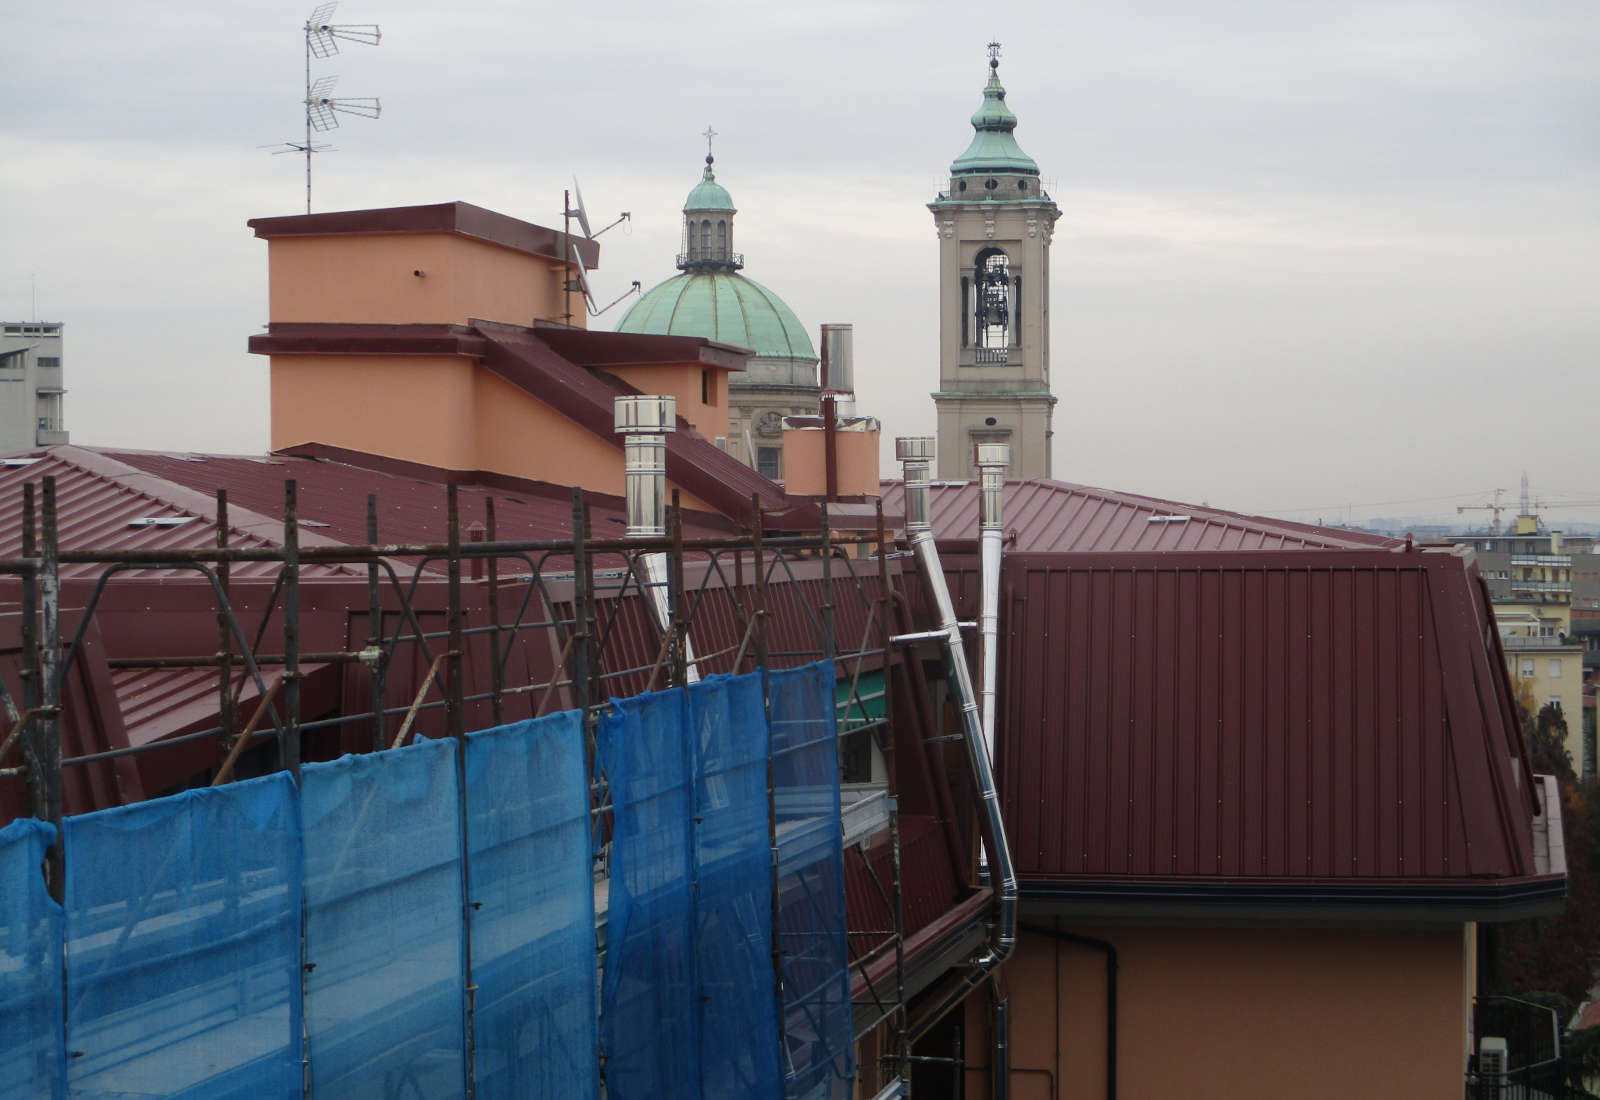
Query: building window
<point>1527,667</point>
<point>708,389</point>
<point>1554,701</point>
<point>49,360</point>
<point>705,239</point>
<point>767,462</point>
<point>49,412</point>
<point>1555,668</point>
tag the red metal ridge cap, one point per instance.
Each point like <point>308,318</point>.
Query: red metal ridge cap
<point>460,218</point>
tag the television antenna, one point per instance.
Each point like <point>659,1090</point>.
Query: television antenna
<point>322,108</point>
<point>574,259</point>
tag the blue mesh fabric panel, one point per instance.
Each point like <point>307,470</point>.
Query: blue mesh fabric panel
<point>31,1052</point>
<point>183,945</point>
<point>384,1001</point>
<point>533,943</point>
<point>733,912</point>
<point>816,980</point>
<point>648,1021</point>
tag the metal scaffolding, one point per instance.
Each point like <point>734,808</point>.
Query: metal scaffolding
<point>577,608</point>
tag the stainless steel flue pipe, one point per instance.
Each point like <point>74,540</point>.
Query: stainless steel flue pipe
<point>993,459</point>
<point>916,457</point>
<point>644,422</point>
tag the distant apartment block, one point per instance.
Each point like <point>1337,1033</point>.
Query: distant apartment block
<point>31,389</point>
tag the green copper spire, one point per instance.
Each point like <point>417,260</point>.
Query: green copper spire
<point>993,147</point>
<point>708,194</point>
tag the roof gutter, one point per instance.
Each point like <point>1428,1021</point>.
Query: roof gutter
<point>916,455</point>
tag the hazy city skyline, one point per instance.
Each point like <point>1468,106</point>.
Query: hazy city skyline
<point>1312,261</point>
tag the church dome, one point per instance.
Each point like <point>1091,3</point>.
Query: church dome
<point>708,194</point>
<point>722,306</point>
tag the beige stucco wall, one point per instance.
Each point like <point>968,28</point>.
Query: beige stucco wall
<point>414,407</point>
<point>443,411</point>
<point>1225,1014</point>
<point>805,462</point>
<point>370,280</point>
<point>683,382</point>
<point>1027,420</point>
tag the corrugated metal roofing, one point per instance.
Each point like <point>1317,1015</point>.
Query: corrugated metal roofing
<point>102,503</point>
<point>1274,715</point>
<point>100,493</point>
<point>1057,515</point>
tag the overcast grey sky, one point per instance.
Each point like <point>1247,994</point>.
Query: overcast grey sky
<point>1311,257</point>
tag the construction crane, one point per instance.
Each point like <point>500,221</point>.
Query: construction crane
<point>1493,506</point>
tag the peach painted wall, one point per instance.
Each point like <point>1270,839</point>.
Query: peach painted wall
<point>442,411</point>
<point>369,280</point>
<point>805,470</point>
<point>419,408</point>
<point>1224,1014</point>
<point>682,381</point>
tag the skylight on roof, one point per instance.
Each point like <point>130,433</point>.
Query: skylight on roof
<point>1168,519</point>
<point>19,461</point>
<point>160,521</point>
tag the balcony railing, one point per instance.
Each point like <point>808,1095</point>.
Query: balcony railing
<point>710,256</point>
<point>989,357</point>
<point>1539,586</point>
<point>1562,560</point>
<point>1533,1068</point>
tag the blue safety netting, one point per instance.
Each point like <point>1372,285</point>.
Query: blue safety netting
<point>384,994</point>
<point>649,1030</point>
<point>183,945</point>
<point>533,937</point>
<point>818,1028</point>
<point>739,1051</point>
<point>32,1057</point>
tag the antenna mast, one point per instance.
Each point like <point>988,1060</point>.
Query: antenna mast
<point>322,109</point>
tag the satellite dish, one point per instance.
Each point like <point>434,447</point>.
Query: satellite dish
<point>583,279</point>
<point>580,213</point>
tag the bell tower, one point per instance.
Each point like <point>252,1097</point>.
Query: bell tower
<point>994,225</point>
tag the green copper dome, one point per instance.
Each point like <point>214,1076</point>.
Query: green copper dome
<point>720,306</point>
<point>708,194</point>
<point>993,147</point>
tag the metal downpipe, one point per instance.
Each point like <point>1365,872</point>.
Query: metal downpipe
<point>916,455</point>
<point>644,421</point>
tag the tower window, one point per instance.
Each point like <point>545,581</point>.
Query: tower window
<point>1022,185</point>
<point>992,299</point>
<point>722,239</point>
<point>705,239</point>
<point>961,186</point>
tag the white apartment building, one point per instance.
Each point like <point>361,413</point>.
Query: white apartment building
<point>31,389</point>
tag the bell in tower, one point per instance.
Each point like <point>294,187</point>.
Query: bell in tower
<point>994,224</point>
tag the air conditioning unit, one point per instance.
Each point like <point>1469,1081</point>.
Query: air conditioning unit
<point>722,443</point>
<point>1494,1062</point>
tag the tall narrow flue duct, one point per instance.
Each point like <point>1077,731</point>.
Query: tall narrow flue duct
<point>993,459</point>
<point>644,422</point>
<point>916,456</point>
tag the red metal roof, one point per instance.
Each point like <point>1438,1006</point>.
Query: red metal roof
<point>1261,715</point>
<point>104,503</point>
<point>101,492</point>
<point>1057,515</point>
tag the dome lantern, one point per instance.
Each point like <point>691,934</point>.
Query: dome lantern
<point>708,223</point>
